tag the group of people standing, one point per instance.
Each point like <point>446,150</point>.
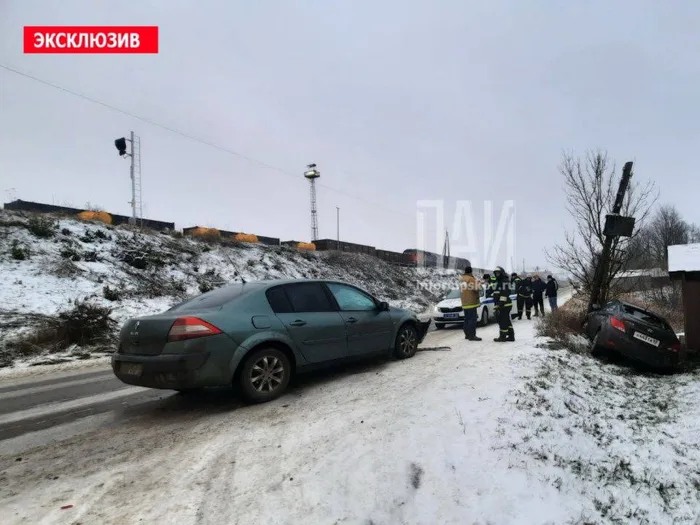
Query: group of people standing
<point>529,291</point>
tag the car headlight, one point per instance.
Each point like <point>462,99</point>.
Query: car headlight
<point>436,309</point>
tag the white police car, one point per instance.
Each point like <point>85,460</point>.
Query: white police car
<point>449,309</point>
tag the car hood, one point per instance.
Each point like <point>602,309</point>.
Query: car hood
<point>450,303</point>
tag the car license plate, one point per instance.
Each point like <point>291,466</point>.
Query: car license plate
<point>451,316</point>
<point>647,339</point>
<point>131,369</point>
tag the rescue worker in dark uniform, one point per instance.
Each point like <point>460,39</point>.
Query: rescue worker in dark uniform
<point>490,282</point>
<point>538,288</point>
<point>525,297</point>
<point>514,281</point>
<point>514,286</point>
<point>503,306</point>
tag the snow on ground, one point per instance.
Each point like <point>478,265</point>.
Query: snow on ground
<point>625,444</point>
<point>463,433</point>
<point>399,442</point>
<point>150,272</point>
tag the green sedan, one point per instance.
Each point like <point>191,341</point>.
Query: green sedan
<point>256,335</point>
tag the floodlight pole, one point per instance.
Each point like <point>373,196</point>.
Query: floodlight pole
<point>133,179</point>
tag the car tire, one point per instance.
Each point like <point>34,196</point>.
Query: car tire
<point>485,316</point>
<point>439,326</point>
<point>596,349</point>
<point>265,375</point>
<point>406,343</point>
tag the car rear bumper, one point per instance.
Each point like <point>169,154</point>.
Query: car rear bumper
<point>640,351</point>
<point>170,371</point>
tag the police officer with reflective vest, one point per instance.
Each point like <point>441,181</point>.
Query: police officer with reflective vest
<point>503,306</point>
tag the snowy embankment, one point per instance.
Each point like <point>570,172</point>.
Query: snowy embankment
<point>46,266</point>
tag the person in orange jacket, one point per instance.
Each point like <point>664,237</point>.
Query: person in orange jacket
<point>469,288</point>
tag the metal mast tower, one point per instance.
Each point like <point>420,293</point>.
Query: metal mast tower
<point>312,174</point>
<point>134,153</point>
<point>446,251</point>
<point>135,170</point>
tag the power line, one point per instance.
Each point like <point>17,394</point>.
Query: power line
<point>191,137</point>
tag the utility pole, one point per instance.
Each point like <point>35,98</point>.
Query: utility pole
<point>134,173</point>
<point>133,180</point>
<point>601,269</point>
<point>337,225</point>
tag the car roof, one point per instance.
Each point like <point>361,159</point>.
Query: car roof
<point>268,283</point>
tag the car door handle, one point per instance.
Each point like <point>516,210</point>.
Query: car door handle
<point>351,320</point>
<point>298,322</point>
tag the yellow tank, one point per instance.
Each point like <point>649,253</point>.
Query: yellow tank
<point>306,246</point>
<point>245,237</point>
<point>199,231</point>
<point>101,216</point>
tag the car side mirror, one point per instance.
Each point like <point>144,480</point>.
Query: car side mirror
<point>383,306</point>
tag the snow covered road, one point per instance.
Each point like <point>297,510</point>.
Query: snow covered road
<point>422,441</point>
<point>388,443</point>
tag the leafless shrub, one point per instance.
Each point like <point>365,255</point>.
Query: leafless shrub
<point>93,207</point>
<point>564,325</point>
<point>111,294</point>
<point>63,268</point>
<point>85,324</point>
<point>42,226</point>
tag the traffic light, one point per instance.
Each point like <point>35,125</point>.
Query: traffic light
<point>121,146</point>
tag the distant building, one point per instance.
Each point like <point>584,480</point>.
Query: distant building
<point>684,266</point>
<point>641,280</point>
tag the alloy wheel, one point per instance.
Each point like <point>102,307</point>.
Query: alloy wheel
<point>267,374</point>
<point>407,341</point>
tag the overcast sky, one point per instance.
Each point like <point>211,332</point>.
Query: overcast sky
<point>396,101</point>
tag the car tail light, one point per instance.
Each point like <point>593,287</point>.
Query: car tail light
<point>190,328</point>
<point>676,347</point>
<point>616,323</point>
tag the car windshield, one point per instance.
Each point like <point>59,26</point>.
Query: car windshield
<point>644,316</point>
<point>215,298</point>
<point>454,294</point>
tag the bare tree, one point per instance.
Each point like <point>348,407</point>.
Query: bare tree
<point>694,234</point>
<point>650,246</point>
<point>666,229</point>
<point>640,257</point>
<point>591,186</point>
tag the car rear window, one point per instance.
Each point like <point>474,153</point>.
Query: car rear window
<point>278,300</point>
<point>644,316</point>
<point>215,298</point>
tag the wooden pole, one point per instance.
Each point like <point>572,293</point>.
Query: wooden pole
<point>601,270</point>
